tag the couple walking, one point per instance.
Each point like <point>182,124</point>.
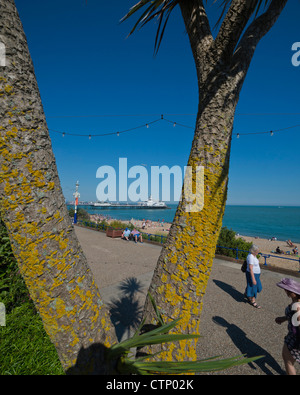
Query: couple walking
<point>291,348</point>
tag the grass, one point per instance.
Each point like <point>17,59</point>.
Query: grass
<point>25,348</point>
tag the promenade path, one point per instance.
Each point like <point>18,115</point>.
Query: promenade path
<point>229,326</point>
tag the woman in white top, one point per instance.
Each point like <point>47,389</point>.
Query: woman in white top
<point>253,277</point>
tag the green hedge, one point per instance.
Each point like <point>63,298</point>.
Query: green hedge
<point>227,238</point>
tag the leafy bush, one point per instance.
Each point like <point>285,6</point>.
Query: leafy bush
<point>118,224</point>
<point>121,225</point>
<point>227,238</point>
<point>159,238</point>
<point>102,225</point>
<point>82,214</point>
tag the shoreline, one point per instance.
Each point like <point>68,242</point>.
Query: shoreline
<point>265,246</point>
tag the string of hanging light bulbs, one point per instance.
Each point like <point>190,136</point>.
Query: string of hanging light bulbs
<point>162,118</point>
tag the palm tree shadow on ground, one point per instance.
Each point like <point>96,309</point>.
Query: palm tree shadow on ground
<point>126,311</point>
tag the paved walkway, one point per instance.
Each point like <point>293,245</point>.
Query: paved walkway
<point>229,326</point>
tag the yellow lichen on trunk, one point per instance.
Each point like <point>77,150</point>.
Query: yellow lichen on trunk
<point>181,278</point>
<point>43,239</point>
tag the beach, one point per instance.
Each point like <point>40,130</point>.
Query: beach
<point>266,246</point>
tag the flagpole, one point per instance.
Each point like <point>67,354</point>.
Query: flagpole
<point>76,195</point>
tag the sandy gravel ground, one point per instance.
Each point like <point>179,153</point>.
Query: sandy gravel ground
<point>229,326</point>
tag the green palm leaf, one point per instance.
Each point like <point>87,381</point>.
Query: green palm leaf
<point>160,335</point>
<point>206,365</point>
<point>144,339</point>
<point>157,312</point>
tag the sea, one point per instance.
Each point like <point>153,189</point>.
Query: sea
<point>282,222</point>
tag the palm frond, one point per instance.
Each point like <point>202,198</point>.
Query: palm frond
<point>157,312</point>
<point>160,9</point>
<point>159,335</point>
<point>206,365</point>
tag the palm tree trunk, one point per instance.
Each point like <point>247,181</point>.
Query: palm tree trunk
<point>33,208</point>
<point>184,266</point>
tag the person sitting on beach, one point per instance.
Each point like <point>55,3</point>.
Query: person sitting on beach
<point>295,250</point>
<point>126,234</point>
<point>290,244</point>
<point>137,235</point>
<point>279,251</point>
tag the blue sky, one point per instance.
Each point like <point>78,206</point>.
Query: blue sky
<point>93,81</point>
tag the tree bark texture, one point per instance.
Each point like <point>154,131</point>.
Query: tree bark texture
<point>184,266</point>
<point>33,208</point>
